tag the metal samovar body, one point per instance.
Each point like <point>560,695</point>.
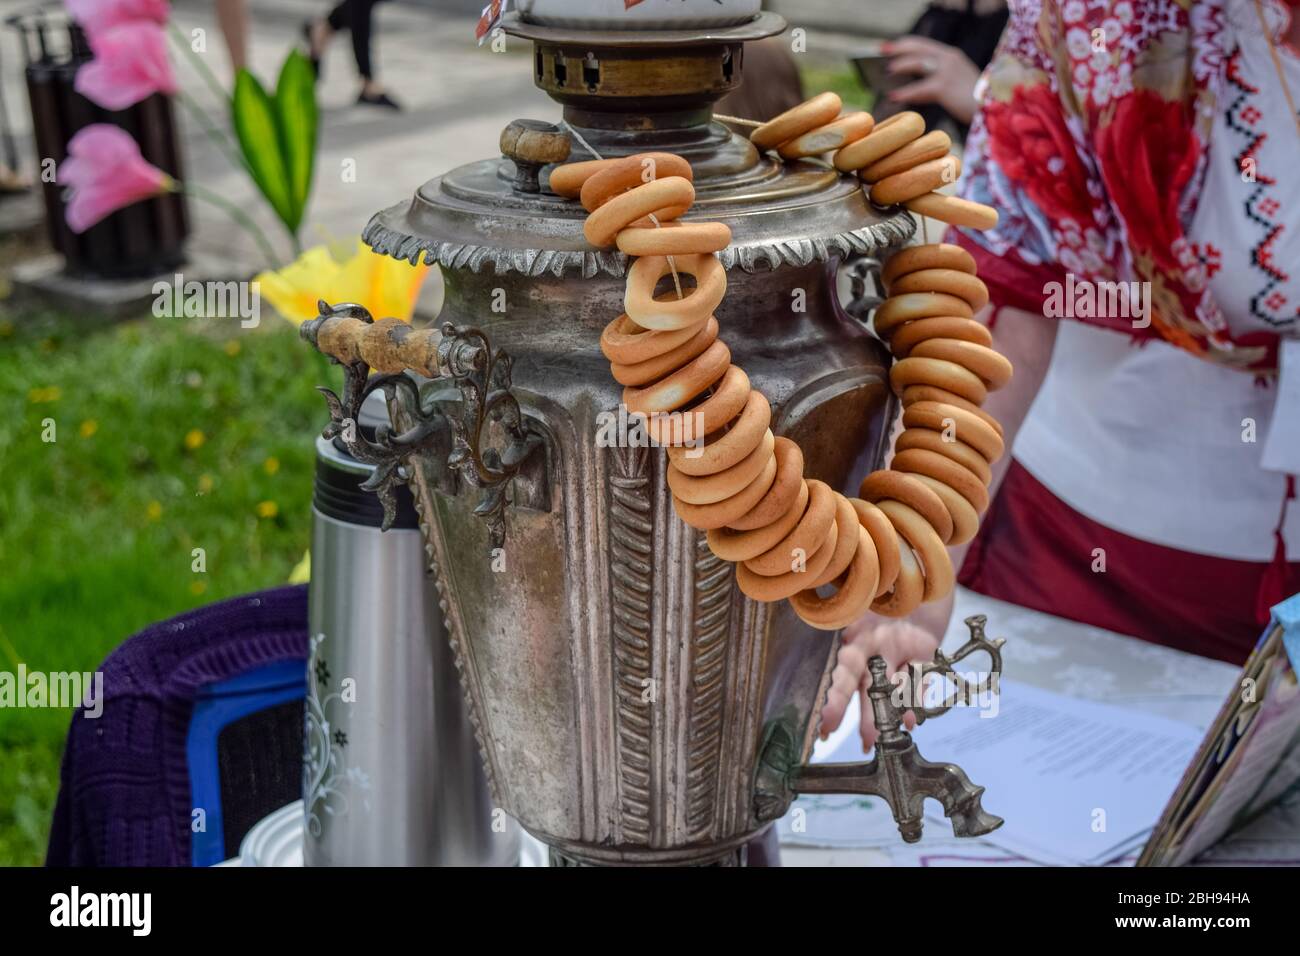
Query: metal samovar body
<point>625,694</point>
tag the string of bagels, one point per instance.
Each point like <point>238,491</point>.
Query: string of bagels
<point>791,537</point>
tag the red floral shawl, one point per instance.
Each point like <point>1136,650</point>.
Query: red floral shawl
<point>1091,143</point>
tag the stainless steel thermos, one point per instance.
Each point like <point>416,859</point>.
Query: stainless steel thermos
<point>392,775</point>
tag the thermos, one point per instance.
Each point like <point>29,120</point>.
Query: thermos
<point>392,774</point>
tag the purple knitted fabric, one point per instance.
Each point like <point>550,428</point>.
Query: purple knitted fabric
<point>124,795</point>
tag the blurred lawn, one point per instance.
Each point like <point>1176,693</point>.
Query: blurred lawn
<point>171,434</point>
<point>824,78</point>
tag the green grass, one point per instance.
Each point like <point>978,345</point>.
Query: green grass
<point>840,79</point>
<point>170,435</point>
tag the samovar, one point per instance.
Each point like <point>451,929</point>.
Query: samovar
<point>631,704</point>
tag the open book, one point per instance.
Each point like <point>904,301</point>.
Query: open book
<point>1249,758</point>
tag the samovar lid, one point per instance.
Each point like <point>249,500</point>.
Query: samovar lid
<point>626,92</point>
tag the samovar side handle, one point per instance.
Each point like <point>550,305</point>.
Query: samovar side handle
<point>898,774</point>
<point>348,335</point>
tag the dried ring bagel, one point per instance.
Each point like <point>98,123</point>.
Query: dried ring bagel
<point>965,521</point>
<point>964,425</point>
<point>837,133</point>
<point>904,596</point>
<point>884,537</point>
<point>917,181</point>
<point>933,145</point>
<point>807,536</point>
<point>625,342</point>
<point>804,118</point>
<point>620,175</point>
<point>934,255</point>
<point>945,375</point>
<point>658,197</point>
<point>928,393</point>
<point>954,210</point>
<point>961,480</point>
<point>781,496</point>
<point>762,587</point>
<point>885,485</point>
<point>952,281</point>
<point>992,367</point>
<point>889,135</point>
<point>740,546</point>
<point>653,369</point>
<point>674,238</point>
<point>567,180</point>
<point>960,452</point>
<point>851,599</point>
<point>746,434</point>
<point>649,312</point>
<point>672,392</point>
<point>710,489</point>
<point>693,423</point>
<point>925,544</point>
<point>906,337</point>
<point>709,517</point>
<point>898,309</point>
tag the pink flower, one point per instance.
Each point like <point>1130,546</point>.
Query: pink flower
<point>130,65</point>
<point>96,16</point>
<point>104,172</point>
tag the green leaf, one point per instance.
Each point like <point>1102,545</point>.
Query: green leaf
<point>295,101</point>
<point>258,129</point>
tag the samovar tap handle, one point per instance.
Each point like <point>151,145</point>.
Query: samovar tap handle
<point>897,774</point>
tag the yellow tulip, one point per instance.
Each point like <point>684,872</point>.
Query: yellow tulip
<point>386,287</point>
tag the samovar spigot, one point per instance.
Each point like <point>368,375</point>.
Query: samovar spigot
<point>898,774</point>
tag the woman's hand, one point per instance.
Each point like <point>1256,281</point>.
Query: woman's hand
<point>899,642</point>
<point>948,76</point>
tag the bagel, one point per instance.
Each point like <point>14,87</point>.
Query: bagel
<point>904,596</point>
<point>933,145</point>
<point>954,211</point>
<point>746,434</point>
<point>920,462</point>
<point>965,426</point>
<point>625,342</point>
<point>780,497</point>
<point>794,122</point>
<point>925,544</point>
<point>992,367</point>
<point>903,339</point>
<point>898,309</point>
<point>669,312</point>
<point>889,135</point>
<point>737,546</point>
<point>853,596</point>
<point>708,517</point>
<point>965,522</point>
<point>763,587</point>
<point>885,539</point>
<point>960,452</point>
<point>692,423</point>
<point>806,537</point>
<point>674,239</point>
<point>931,371</point>
<point>665,198</point>
<point>657,367</point>
<point>952,281</point>
<point>837,133</point>
<point>885,485</point>
<point>934,255</point>
<point>673,391</point>
<point>567,180</point>
<point>928,393</point>
<point>710,489</point>
<point>916,182</point>
<point>620,175</point>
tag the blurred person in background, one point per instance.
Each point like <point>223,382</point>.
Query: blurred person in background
<point>945,51</point>
<point>357,17</point>
<point>1151,143</point>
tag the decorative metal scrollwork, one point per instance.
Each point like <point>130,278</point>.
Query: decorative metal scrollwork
<point>483,378</point>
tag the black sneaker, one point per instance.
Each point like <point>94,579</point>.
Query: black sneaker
<point>379,99</point>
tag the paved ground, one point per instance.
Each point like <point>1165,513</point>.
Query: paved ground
<point>457,95</point>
